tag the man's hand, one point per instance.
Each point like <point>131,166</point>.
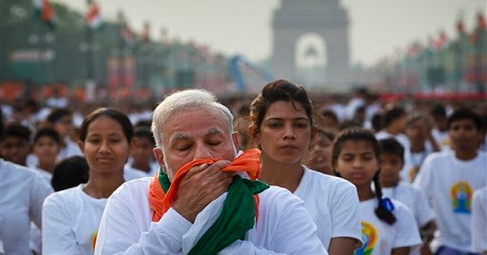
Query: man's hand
<point>201,185</point>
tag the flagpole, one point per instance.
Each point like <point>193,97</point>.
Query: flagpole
<point>90,79</point>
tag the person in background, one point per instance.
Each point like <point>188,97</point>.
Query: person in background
<point>186,209</point>
<point>46,147</point>
<point>449,191</point>
<point>479,221</point>
<point>391,163</point>
<point>15,143</point>
<point>394,123</point>
<point>388,227</point>
<point>319,154</point>
<point>141,155</point>
<point>22,192</point>
<point>70,172</point>
<point>421,144</point>
<point>62,121</point>
<point>439,131</point>
<point>282,127</point>
<point>71,217</point>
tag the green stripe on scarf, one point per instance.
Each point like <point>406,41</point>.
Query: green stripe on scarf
<point>236,218</point>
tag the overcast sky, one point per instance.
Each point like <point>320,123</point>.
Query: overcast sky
<point>377,27</point>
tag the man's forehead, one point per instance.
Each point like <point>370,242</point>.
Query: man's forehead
<point>182,135</point>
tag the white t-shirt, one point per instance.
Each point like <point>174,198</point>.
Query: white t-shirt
<point>22,192</point>
<point>283,226</point>
<point>449,184</point>
<point>70,222</point>
<point>379,237</point>
<point>71,149</point>
<point>413,162</point>
<point>414,199</point>
<point>333,205</point>
<point>479,220</point>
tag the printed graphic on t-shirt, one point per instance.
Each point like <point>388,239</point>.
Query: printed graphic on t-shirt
<point>93,239</point>
<point>413,172</point>
<point>461,197</point>
<point>369,238</point>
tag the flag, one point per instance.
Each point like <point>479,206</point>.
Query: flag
<point>93,18</point>
<point>45,12</point>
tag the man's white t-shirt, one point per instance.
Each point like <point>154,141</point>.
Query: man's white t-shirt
<point>70,222</point>
<point>379,237</point>
<point>449,184</point>
<point>22,192</point>
<point>283,226</point>
<point>479,220</point>
<point>333,205</point>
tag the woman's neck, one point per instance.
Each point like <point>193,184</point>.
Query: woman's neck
<point>102,186</point>
<point>48,167</point>
<point>365,192</point>
<point>283,175</point>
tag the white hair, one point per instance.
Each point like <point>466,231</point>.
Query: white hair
<point>183,100</point>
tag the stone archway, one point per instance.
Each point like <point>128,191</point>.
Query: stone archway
<point>324,19</point>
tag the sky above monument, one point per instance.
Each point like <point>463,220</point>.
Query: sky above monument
<point>378,28</point>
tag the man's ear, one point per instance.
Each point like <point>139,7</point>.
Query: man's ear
<point>159,156</point>
<point>235,140</point>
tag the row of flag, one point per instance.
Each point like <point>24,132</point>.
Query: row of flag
<point>46,14</point>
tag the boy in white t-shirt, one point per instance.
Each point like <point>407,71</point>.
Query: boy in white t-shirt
<point>391,164</point>
<point>449,179</point>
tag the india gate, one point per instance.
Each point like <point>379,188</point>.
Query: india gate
<point>311,43</point>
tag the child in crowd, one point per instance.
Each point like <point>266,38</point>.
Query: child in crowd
<point>141,155</point>
<point>62,121</point>
<point>319,154</point>
<point>394,122</point>
<point>391,164</point>
<point>46,147</point>
<point>388,226</point>
<point>449,179</point>
<point>421,144</point>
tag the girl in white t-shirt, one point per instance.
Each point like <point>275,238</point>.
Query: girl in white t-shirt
<point>282,127</point>
<point>388,227</point>
<point>71,217</point>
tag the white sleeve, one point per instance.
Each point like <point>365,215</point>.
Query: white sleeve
<point>57,235</point>
<point>120,233</point>
<point>407,233</point>
<point>423,179</point>
<point>295,234</point>
<point>479,221</point>
<point>424,213</point>
<point>345,213</point>
<point>40,190</point>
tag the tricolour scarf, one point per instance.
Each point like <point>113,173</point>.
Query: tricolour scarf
<point>240,208</point>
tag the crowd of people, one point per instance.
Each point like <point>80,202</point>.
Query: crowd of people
<point>285,172</point>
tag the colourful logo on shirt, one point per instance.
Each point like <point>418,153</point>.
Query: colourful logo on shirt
<point>93,239</point>
<point>413,172</point>
<point>461,197</point>
<point>369,238</point>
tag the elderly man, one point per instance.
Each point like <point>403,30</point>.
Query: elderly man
<point>205,199</point>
